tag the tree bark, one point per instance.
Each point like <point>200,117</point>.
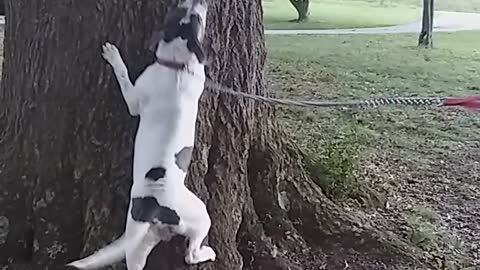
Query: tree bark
<point>425,38</point>
<point>66,148</point>
<point>302,7</point>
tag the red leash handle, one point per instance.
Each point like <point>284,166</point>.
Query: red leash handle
<point>472,103</point>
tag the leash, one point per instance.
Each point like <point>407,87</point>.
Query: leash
<point>469,102</point>
<point>472,103</point>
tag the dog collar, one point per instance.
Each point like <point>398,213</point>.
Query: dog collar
<point>171,64</point>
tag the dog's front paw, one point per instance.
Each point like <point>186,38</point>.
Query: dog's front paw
<point>111,54</point>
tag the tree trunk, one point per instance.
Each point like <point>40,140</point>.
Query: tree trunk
<point>425,38</point>
<point>302,7</point>
<point>66,148</point>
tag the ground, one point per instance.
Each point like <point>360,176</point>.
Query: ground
<point>334,14</point>
<point>422,164</point>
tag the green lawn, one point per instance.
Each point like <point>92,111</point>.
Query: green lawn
<point>327,14</point>
<point>445,5</point>
<point>379,61</point>
<point>413,156</point>
<point>369,66</point>
<point>330,14</point>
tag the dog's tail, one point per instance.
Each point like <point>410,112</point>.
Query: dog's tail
<point>112,253</point>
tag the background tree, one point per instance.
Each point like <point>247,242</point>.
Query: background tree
<point>66,147</point>
<point>425,38</point>
<point>302,7</point>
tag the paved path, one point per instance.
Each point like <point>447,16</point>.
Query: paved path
<point>442,22</point>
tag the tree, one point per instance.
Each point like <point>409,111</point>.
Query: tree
<point>302,7</point>
<point>66,147</point>
<point>425,38</point>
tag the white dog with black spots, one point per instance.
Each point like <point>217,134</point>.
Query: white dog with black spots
<point>165,96</point>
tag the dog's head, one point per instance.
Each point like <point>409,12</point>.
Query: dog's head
<point>184,21</point>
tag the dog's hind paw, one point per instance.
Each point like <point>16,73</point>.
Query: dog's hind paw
<point>208,254</point>
<point>111,54</point>
<point>203,255</point>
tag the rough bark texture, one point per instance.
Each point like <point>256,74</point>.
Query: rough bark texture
<point>425,38</point>
<point>302,7</point>
<point>66,148</point>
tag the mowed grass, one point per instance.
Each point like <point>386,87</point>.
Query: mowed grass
<point>370,64</point>
<point>413,155</point>
<point>444,5</point>
<point>344,67</point>
<point>336,14</point>
<point>331,14</point>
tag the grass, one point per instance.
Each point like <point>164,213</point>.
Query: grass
<point>353,67</point>
<point>411,155</point>
<point>334,14</point>
<point>371,65</point>
<point>444,5</point>
<point>330,14</point>
<point>423,230</point>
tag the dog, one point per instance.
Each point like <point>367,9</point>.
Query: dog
<point>165,97</point>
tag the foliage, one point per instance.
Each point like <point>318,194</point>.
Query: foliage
<point>424,230</point>
<point>333,163</point>
<point>422,227</point>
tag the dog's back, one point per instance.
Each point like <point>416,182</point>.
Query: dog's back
<point>169,97</point>
<point>168,113</point>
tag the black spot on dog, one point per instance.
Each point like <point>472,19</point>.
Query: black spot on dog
<point>183,158</point>
<point>147,209</point>
<point>156,173</point>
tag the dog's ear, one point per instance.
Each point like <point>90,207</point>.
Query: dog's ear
<point>174,15</point>
<point>207,69</point>
<point>197,47</point>
<point>172,23</point>
<point>152,43</point>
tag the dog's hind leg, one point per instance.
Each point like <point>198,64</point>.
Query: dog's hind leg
<point>137,252</point>
<point>113,57</point>
<point>112,253</point>
<point>197,226</point>
<point>196,253</point>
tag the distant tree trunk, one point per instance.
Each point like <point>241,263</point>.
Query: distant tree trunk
<point>302,7</point>
<point>66,148</point>
<point>425,38</point>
